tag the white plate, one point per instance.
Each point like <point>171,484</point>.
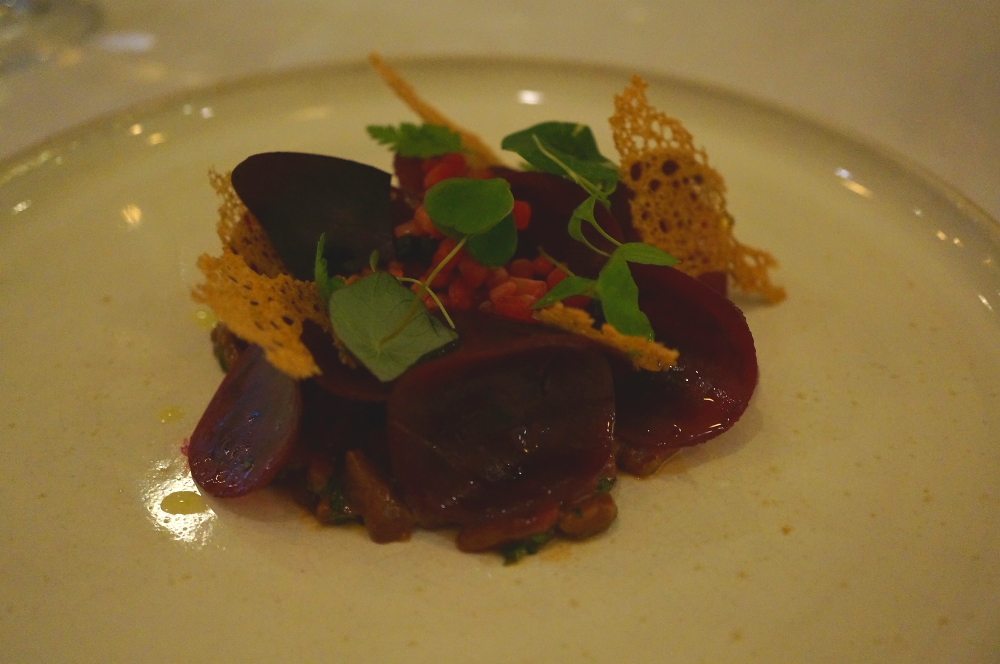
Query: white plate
<point>852,515</point>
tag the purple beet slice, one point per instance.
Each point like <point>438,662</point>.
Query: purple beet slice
<point>708,390</point>
<point>297,197</point>
<point>506,428</point>
<point>249,429</point>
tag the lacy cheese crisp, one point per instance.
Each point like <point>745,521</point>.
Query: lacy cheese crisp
<point>680,200</point>
<point>250,293</point>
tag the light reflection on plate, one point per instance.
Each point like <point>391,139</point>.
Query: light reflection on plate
<point>175,502</point>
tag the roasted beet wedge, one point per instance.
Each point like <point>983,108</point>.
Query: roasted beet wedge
<point>708,390</point>
<point>506,427</point>
<point>249,429</point>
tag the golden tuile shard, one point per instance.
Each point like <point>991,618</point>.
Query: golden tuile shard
<point>643,353</point>
<point>480,154</point>
<point>248,291</point>
<point>680,203</point>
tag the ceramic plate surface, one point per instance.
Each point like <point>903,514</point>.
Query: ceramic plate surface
<point>852,515</point>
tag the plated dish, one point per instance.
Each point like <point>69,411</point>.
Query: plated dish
<point>851,515</point>
<point>462,344</point>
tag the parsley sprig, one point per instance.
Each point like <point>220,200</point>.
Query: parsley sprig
<point>411,140</point>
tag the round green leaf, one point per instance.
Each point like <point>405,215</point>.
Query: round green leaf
<point>468,206</point>
<point>496,246</point>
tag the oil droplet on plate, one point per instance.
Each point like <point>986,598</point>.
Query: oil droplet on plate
<point>170,414</point>
<point>183,502</point>
<point>205,318</point>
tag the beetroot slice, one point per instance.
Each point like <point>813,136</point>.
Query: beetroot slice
<point>354,383</point>
<point>709,389</point>
<point>249,429</point>
<point>297,197</point>
<point>508,427</point>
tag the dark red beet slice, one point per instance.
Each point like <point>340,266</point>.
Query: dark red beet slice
<point>356,384</point>
<point>410,175</point>
<point>658,413</point>
<point>249,429</point>
<point>506,426</point>
<point>297,197</point>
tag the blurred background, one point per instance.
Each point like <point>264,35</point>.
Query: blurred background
<point>920,78</point>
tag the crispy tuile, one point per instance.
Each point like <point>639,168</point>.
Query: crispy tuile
<point>642,352</point>
<point>248,291</point>
<point>481,155</point>
<point>240,231</point>
<point>680,202</point>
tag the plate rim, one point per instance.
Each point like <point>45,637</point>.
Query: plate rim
<point>23,161</point>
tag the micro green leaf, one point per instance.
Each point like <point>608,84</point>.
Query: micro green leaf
<point>529,546</point>
<point>321,271</point>
<point>410,140</point>
<point>585,212</point>
<point>647,254</point>
<point>567,149</point>
<point>384,325</point>
<point>619,297</point>
<point>568,287</point>
<point>468,206</point>
<point>496,246</point>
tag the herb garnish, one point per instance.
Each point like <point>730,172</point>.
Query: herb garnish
<point>476,212</point>
<point>529,546</point>
<point>385,324</point>
<point>387,327</point>
<point>321,273</point>
<point>410,140</point>
<point>570,151</point>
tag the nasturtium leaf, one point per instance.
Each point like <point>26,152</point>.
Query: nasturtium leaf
<point>619,297</point>
<point>495,247</point>
<point>647,254</point>
<point>568,287</point>
<point>567,149</point>
<point>321,273</point>
<point>468,206</point>
<point>410,140</point>
<point>385,326</point>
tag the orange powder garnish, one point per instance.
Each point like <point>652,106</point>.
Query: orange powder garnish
<point>680,203</point>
